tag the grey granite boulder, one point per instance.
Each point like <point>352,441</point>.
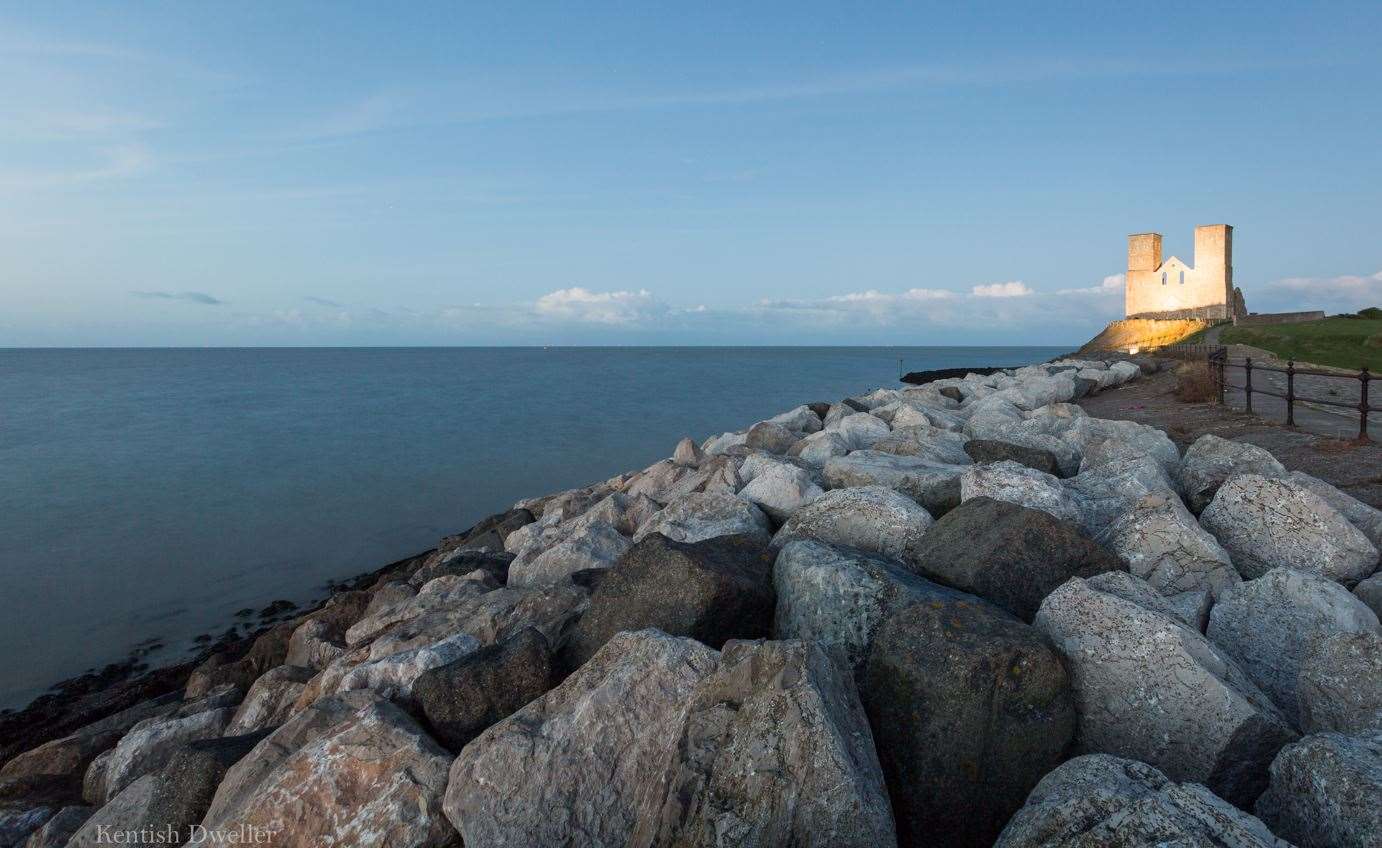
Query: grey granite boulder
<point>1149,688</point>
<point>1325,792</point>
<point>1269,625</point>
<point>1163,544</point>
<point>1366,518</point>
<point>463,697</point>
<point>149,744</point>
<point>839,596</point>
<point>1369,591</point>
<point>687,454</point>
<point>1189,608</point>
<point>583,764</point>
<point>1211,460</point>
<point>696,517</point>
<point>363,776</point>
<point>1108,490</point>
<point>860,430</point>
<point>771,437</point>
<point>780,490</point>
<point>1267,523</point>
<point>774,749</point>
<point>935,486</point>
<point>270,700</point>
<point>1101,801</point>
<point>800,419</point>
<point>969,708</point>
<point>394,674</point>
<point>1008,481</point>
<point>871,518</point>
<point>820,446</point>
<point>127,810</point>
<point>59,830</point>
<point>929,443</point>
<point>993,450</point>
<point>1008,554</point>
<point>711,591</point>
<point>1340,684</point>
<point>1086,433</point>
<point>596,545</point>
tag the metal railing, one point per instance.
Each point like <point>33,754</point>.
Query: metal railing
<point>1219,362</point>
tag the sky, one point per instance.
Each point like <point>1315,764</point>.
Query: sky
<point>645,173</point>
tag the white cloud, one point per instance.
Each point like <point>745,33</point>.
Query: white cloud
<point>1111,285</point>
<point>1345,293</point>
<point>584,306</point>
<point>1016,288</point>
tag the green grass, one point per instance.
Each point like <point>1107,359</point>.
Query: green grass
<point>1344,342</point>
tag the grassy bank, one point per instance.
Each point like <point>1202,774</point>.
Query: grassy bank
<point>1344,342</point>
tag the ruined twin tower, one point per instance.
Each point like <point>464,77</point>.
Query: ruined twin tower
<point>1175,290</point>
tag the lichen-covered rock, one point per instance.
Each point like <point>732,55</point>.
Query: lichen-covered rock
<point>270,700</point>
<point>1267,523</point>
<point>711,591</point>
<point>1100,801</point>
<point>596,545</point>
<point>969,708</point>
<point>1008,554</point>
<point>352,771</point>
<point>581,765</point>
<point>1325,790</point>
<point>840,596</point>
<point>1269,625</point>
<point>1189,608</point>
<point>1163,544</point>
<point>860,430</point>
<point>1149,688</point>
<point>1340,684</point>
<point>1366,518</point>
<point>933,485</point>
<point>780,490</point>
<point>871,518</point>
<point>463,697</point>
<point>1018,484</point>
<point>149,744</point>
<point>1211,460</point>
<point>697,517</point>
<point>774,749</point>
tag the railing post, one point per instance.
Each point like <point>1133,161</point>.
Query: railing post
<point>1364,377</point>
<point>1290,393</point>
<point>1247,385</point>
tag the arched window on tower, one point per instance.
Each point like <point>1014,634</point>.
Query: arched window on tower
<point>1163,278</point>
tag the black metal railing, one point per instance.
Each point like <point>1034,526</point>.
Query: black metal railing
<point>1219,362</point>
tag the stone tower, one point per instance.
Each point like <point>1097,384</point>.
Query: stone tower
<point>1173,289</point>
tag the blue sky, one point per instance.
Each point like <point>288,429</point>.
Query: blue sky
<point>306,174</point>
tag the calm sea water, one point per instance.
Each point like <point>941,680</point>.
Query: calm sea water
<point>152,493</point>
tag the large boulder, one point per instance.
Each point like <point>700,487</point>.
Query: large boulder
<point>126,812</point>
<point>711,591</point>
<point>394,674</point>
<point>1269,625</point>
<point>489,533</point>
<point>1267,523</point>
<point>149,744</point>
<point>1005,553</point>
<point>1325,792</point>
<point>1018,484</point>
<point>1340,685</point>
<point>860,430</point>
<point>1107,491</point>
<point>58,831</point>
<point>1086,434</point>
<point>1366,518</point>
<point>697,517</point>
<point>355,771</point>
<point>935,486</point>
<point>774,749</point>
<point>1211,460</point>
<point>1149,688</point>
<point>780,490</point>
<point>993,450</point>
<point>929,443</point>
<point>270,700</point>
<point>1109,802</point>
<point>840,596</point>
<point>772,437</point>
<point>969,708</point>
<point>820,446</point>
<point>1369,591</point>
<point>583,764</point>
<point>801,419</point>
<point>1163,544</point>
<point>596,545</point>
<point>463,697</point>
<point>1189,608</point>
<point>870,518</point>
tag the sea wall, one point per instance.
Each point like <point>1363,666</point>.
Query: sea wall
<point>928,615</point>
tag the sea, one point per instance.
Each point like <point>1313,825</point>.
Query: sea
<point>147,495</point>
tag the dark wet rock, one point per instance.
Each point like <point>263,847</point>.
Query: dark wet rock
<point>496,564</point>
<point>819,407</point>
<point>1011,555</point>
<point>992,450</point>
<point>56,832</point>
<point>277,608</point>
<point>712,591</point>
<point>461,699</point>
<point>490,532</point>
<point>969,708</point>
